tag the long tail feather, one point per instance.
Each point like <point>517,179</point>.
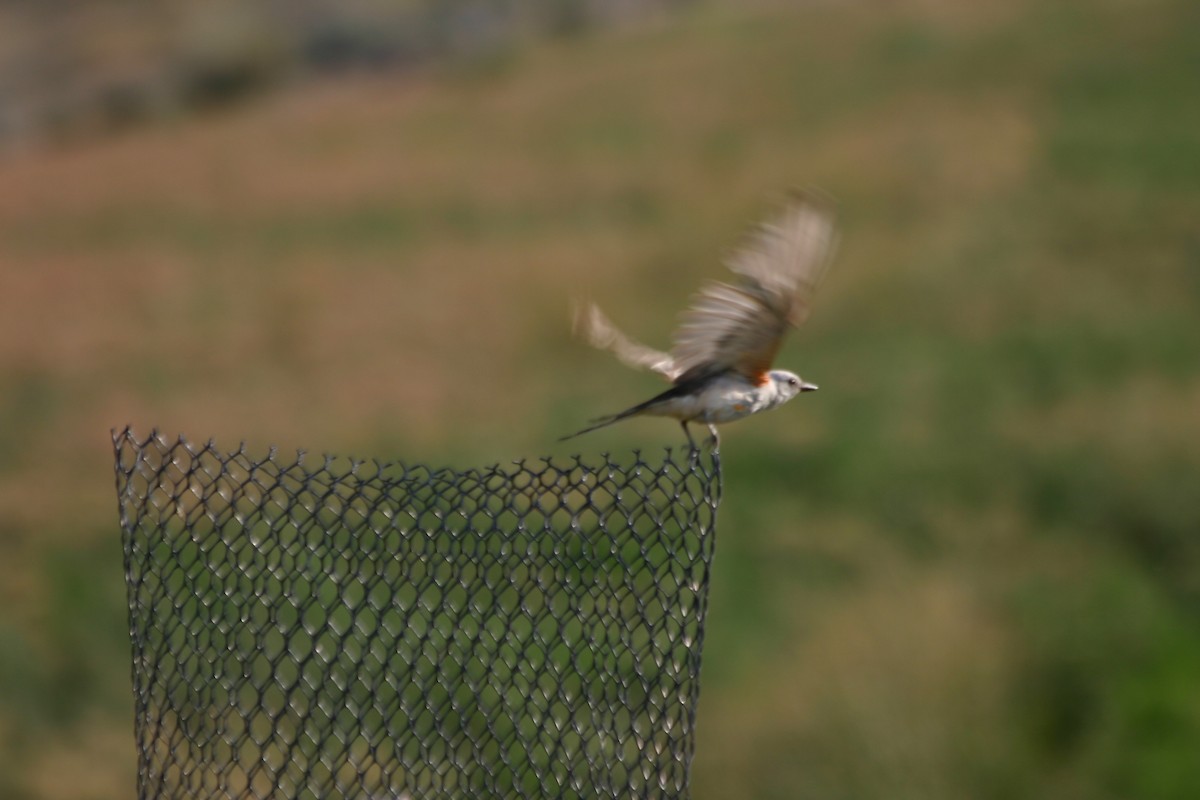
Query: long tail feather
<point>641,408</point>
<point>602,422</point>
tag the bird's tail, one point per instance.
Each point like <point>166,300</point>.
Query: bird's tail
<point>650,406</point>
<point>603,422</point>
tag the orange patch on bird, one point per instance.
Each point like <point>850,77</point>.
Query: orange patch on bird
<point>738,407</point>
<point>763,380</point>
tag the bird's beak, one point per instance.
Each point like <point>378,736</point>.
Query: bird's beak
<point>808,387</point>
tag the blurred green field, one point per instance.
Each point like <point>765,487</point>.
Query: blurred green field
<point>968,567</point>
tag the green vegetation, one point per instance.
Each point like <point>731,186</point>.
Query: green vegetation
<point>967,567</point>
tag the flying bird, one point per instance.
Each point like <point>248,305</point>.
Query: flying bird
<point>721,356</point>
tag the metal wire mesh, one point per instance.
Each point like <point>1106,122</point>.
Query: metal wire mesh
<point>379,630</point>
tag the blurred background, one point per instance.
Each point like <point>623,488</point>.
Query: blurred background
<point>968,567</point>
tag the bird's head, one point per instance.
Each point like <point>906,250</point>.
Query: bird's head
<point>789,384</point>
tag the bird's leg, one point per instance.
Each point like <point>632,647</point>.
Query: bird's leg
<point>715,440</point>
<point>688,434</point>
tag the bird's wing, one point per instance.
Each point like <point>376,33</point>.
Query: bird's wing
<point>741,326</point>
<point>593,327</point>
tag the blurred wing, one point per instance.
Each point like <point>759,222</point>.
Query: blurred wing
<point>742,326</point>
<point>787,257</point>
<point>594,328</point>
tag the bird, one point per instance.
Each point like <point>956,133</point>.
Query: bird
<point>720,361</point>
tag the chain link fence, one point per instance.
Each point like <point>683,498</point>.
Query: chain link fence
<point>358,629</point>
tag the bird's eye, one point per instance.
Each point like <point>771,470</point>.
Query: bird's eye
<point>793,382</point>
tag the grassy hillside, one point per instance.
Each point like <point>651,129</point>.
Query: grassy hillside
<point>967,567</point>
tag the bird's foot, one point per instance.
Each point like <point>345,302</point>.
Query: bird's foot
<point>714,439</point>
<point>693,450</point>
<point>713,443</point>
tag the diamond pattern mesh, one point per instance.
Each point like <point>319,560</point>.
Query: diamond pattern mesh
<point>350,629</point>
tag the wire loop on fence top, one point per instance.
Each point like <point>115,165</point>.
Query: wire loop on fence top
<point>316,628</point>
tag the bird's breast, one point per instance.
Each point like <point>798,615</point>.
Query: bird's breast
<point>730,399</point>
